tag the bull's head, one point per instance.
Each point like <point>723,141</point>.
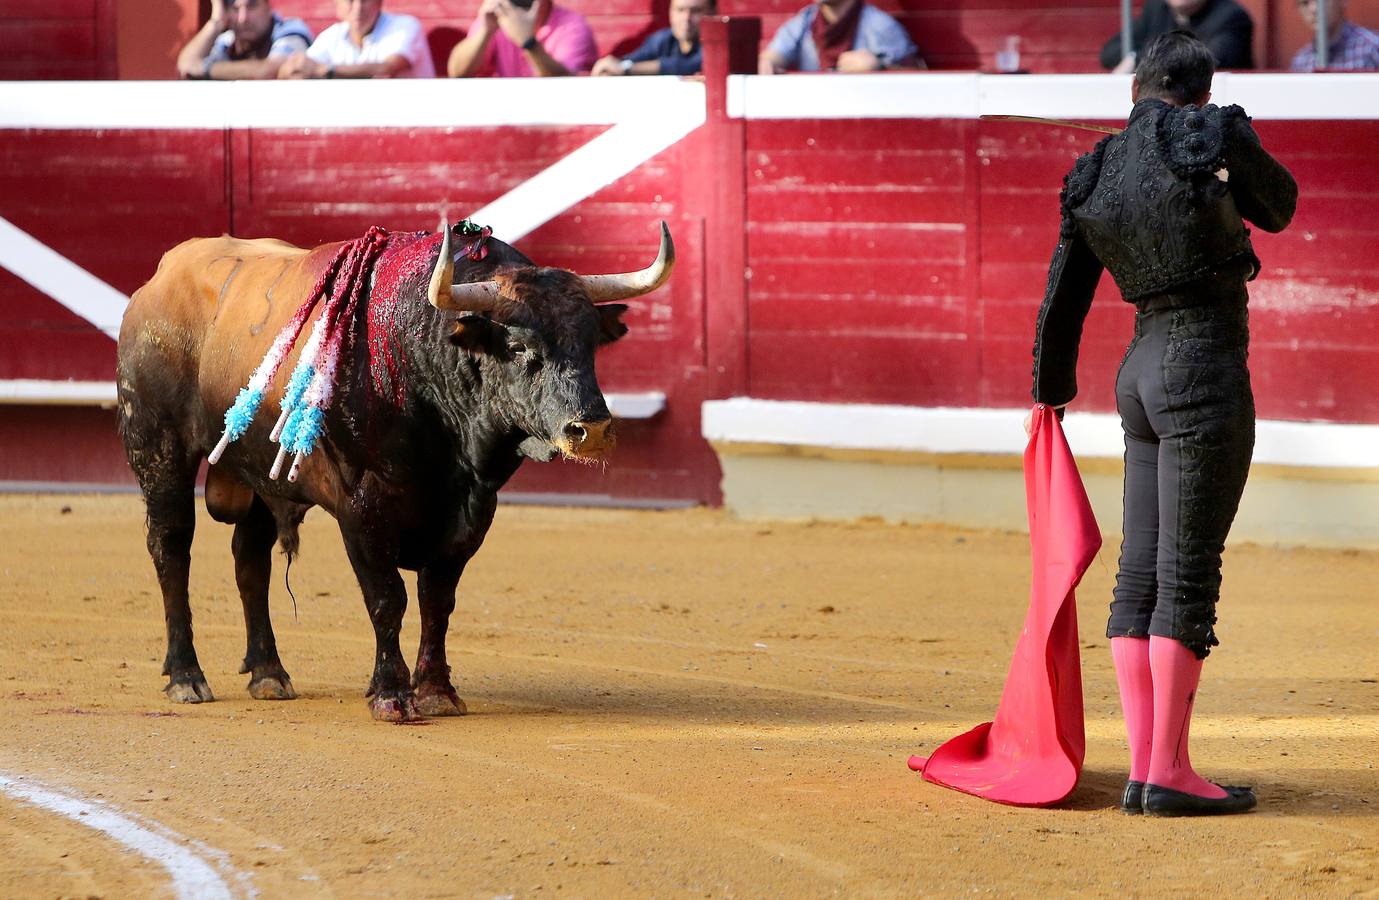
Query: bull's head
<point>533,332</point>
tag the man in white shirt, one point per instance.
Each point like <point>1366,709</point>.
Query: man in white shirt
<point>365,43</point>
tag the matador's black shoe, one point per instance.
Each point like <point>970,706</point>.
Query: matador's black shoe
<point>1132,801</point>
<point>1162,801</point>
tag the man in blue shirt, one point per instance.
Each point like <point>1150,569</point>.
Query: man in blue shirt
<point>1350,47</point>
<point>242,39</point>
<point>670,51</point>
<point>842,36</point>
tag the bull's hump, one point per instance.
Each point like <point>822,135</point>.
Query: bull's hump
<point>192,258</point>
<point>252,247</point>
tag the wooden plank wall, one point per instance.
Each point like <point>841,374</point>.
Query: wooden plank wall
<point>888,261</point>
<point>56,39</point>
<point>917,281</point>
<point>311,186</point>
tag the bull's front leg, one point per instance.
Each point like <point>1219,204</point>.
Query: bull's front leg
<point>436,596</point>
<point>390,694</point>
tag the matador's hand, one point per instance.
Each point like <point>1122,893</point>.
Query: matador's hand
<point>1029,417</point>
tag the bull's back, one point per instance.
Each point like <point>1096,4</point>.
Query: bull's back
<point>192,335</point>
<point>194,279</point>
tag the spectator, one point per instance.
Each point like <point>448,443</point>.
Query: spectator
<point>842,35</point>
<point>670,51</point>
<point>366,43</point>
<point>518,38</point>
<point>242,39</point>
<point>1348,45</point>
<point>1226,29</point>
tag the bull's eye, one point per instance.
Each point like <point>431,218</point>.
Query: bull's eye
<point>517,349</point>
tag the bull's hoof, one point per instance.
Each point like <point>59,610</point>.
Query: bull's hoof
<point>395,706</point>
<point>272,686</point>
<point>439,700</point>
<point>190,687</point>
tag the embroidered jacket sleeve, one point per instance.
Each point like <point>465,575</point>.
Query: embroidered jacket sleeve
<point>1073,276</point>
<point>1263,189</point>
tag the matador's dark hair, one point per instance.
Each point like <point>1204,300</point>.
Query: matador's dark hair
<point>1175,67</point>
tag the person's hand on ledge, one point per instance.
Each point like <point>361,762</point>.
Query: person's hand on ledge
<point>299,65</point>
<point>609,65</point>
<point>859,61</point>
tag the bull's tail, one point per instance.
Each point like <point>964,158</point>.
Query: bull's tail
<point>290,541</point>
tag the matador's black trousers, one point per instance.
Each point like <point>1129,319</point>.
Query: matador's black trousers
<point>1185,403</point>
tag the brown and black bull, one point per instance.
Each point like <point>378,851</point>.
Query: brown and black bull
<point>433,412</point>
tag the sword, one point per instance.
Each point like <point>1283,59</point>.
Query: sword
<point>1062,123</point>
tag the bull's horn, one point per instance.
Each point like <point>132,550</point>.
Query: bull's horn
<point>605,288</point>
<point>471,297</point>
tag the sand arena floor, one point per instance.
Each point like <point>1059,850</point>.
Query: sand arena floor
<point>662,704</point>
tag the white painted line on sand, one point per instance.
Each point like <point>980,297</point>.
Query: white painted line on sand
<point>193,874</point>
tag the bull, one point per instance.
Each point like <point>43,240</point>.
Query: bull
<point>489,361</point>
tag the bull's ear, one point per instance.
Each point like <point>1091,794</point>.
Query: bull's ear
<point>611,326</point>
<point>479,335</point>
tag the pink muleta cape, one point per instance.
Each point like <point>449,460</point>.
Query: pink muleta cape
<point>1031,755</point>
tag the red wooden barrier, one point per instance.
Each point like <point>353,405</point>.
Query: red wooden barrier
<point>845,259</point>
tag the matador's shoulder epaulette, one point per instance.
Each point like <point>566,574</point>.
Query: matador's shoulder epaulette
<point>1079,183</point>
<point>1196,140</point>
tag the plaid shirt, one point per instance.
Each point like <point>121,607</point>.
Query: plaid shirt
<point>1354,48</point>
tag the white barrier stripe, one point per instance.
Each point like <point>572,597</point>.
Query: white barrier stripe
<point>41,392</point>
<point>192,876</point>
<point>597,164</point>
<point>45,392</point>
<point>939,430</point>
<point>491,102</point>
<point>944,95</point>
<point>383,103</point>
<point>60,278</point>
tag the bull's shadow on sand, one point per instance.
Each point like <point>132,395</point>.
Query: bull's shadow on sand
<point>705,701</point>
<point>805,718</point>
<point>806,721</point>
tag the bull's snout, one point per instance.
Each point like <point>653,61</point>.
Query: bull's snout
<point>589,437</point>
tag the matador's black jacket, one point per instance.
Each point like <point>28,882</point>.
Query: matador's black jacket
<point>1161,206</point>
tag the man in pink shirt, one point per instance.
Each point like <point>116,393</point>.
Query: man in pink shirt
<point>516,38</point>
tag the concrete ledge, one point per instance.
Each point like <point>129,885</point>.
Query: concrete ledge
<point>931,466</point>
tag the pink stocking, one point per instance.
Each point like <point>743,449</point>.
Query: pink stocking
<point>1131,656</point>
<point>1176,671</point>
